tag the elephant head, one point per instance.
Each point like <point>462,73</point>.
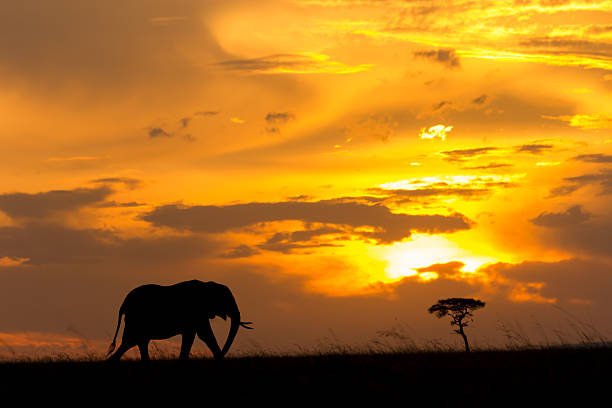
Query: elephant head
<point>224,305</point>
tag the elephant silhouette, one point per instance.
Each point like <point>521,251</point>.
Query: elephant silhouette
<point>155,312</point>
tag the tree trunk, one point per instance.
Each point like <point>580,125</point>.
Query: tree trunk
<point>465,340</point>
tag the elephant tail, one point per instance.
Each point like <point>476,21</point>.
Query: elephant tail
<point>113,344</point>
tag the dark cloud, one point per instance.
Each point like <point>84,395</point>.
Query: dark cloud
<point>598,29</point>
<point>158,132</point>
<point>45,243</point>
<point>534,148</point>
<point>241,251</point>
<point>387,226</point>
<point>288,242</point>
<point>572,215</point>
<point>129,182</point>
<point>446,57</point>
<point>113,204</point>
<point>463,154</point>
<point>568,282</point>
<point>206,113</point>
<point>480,100</point>
<point>275,119</point>
<point>263,63</point>
<point>594,158</point>
<point>40,205</point>
<point>488,166</point>
<point>603,180</point>
<point>445,270</point>
<point>577,231</point>
<point>572,44</point>
<point>185,121</point>
<point>301,197</point>
<point>441,104</point>
<point>281,63</point>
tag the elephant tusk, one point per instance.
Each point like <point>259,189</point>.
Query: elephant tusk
<point>244,324</point>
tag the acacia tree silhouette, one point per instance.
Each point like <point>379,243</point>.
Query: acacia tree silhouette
<point>460,311</point>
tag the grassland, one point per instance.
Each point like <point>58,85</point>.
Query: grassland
<point>437,378</point>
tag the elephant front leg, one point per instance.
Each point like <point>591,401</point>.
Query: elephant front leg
<point>186,343</point>
<point>121,351</point>
<point>206,334</point>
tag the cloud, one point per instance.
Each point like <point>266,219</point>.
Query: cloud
<point>441,104</point>
<point>185,122</point>
<point>40,205</point>
<point>489,166</point>
<point>46,244</point>
<point>378,126</point>
<point>587,122</point>
<point>438,131</point>
<point>459,185</point>
<point>561,282</point>
<point>288,242</point>
<point>602,179</point>
<point>385,226</point>
<point>480,100</point>
<point>304,63</point>
<point>572,215</point>
<point>115,204</point>
<point>129,182</point>
<point>533,148</point>
<point>275,119</point>
<point>206,113</point>
<point>158,132</point>
<point>594,158</point>
<point>460,155</point>
<point>597,29</point>
<point>444,56</point>
<point>241,251</point>
<point>447,270</point>
<point>402,196</point>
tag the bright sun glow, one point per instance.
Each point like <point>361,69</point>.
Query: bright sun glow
<point>424,250</point>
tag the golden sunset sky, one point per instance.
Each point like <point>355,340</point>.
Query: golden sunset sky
<point>340,164</point>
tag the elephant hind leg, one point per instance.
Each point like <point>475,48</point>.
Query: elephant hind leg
<point>144,350</point>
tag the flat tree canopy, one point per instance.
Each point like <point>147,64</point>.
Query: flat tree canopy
<point>457,308</point>
<point>460,311</point>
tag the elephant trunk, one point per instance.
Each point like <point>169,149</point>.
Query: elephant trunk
<point>235,318</point>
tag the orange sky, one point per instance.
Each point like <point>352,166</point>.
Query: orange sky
<point>340,164</point>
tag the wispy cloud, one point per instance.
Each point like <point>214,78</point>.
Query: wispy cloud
<point>158,132</point>
<point>594,158</point>
<point>603,180</point>
<point>464,154</point>
<point>596,121</point>
<point>303,63</point>
<point>444,56</point>
<point>534,148</point>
